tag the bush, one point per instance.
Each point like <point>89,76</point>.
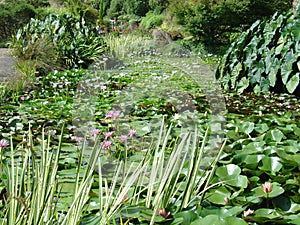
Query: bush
<point>151,20</point>
<point>75,44</point>
<point>265,58</point>
<point>13,17</point>
<point>212,22</point>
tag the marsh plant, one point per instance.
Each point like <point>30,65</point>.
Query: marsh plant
<point>160,181</point>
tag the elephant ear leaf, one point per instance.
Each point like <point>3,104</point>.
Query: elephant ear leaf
<point>264,57</point>
<point>293,83</point>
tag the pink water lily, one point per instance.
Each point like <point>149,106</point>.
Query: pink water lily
<point>123,138</point>
<point>106,144</point>
<point>132,133</point>
<point>3,143</point>
<point>248,212</point>
<point>267,187</point>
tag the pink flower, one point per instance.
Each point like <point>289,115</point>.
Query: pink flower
<point>226,199</point>
<point>78,139</point>
<point>113,114</point>
<point>108,134</point>
<point>132,133</point>
<point>123,138</point>
<point>163,213</point>
<point>3,143</point>
<point>109,114</point>
<point>22,98</point>
<point>106,144</point>
<point>248,212</point>
<point>95,131</point>
<point>267,187</point>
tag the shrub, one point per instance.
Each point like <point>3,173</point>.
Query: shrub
<point>75,43</point>
<point>13,17</point>
<point>151,20</point>
<point>265,58</point>
<point>212,22</point>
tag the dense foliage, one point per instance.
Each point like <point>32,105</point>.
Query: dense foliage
<point>13,17</point>
<point>214,22</point>
<point>265,57</point>
<point>255,178</point>
<point>73,43</point>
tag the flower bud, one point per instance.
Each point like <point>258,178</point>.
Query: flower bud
<point>267,187</point>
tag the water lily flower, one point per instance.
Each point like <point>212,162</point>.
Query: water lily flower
<point>267,187</point>
<point>113,114</point>
<point>123,138</point>
<point>248,212</point>
<point>108,134</point>
<point>163,212</point>
<point>78,139</point>
<point>3,143</point>
<point>106,144</point>
<point>95,131</point>
<point>226,199</point>
<point>132,133</point>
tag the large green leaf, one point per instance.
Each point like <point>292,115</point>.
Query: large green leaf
<point>293,83</point>
<point>216,220</point>
<point>230,174</point>
<point>274,135</point>
<point>271,164</point>
<point>218,195</point>
<point>185,218</point>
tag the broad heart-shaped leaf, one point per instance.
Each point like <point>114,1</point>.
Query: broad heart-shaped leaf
<point>271,164</point>
<point>217,195</point>
<point>246,127</point>
<point>216,220</point>
<point>272,75</point>
<point>185,218</point>
<point>276,191</point>
<point>261,127</point>
<point>274,135</point>
<point>230,174</point>
<point>251,161</point>
<point>287,66</point>
<point>228,171</point>
<point>242,85</point>
<point>293,83</point>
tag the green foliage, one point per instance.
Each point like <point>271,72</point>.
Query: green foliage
<point>264,58</point>
<point>154,180</point>
<point>214,22</point>
<point>120,7</point>
<point>152,20</point>
<point>13,17</point>
<point>75,44</point>
<point>80,10</point>
<point>137,7</point>
<point>158,5</point>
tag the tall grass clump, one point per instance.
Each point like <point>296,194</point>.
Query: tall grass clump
<point>165,180</point>
<point>32,190</point>
<point>127,45</point>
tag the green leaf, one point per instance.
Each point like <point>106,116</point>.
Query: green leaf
<point>210,219</point>
<point>218,195</point>
<point>247,127</point>
<point>275,135</point>
<point>277,190</point>
<point>293,83</point>
<point>271,164</point>
<point>230,174</point>
<point>261,127</point>
<point>234,221</point>
<point>242,85</point>
<point>185,218</point>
